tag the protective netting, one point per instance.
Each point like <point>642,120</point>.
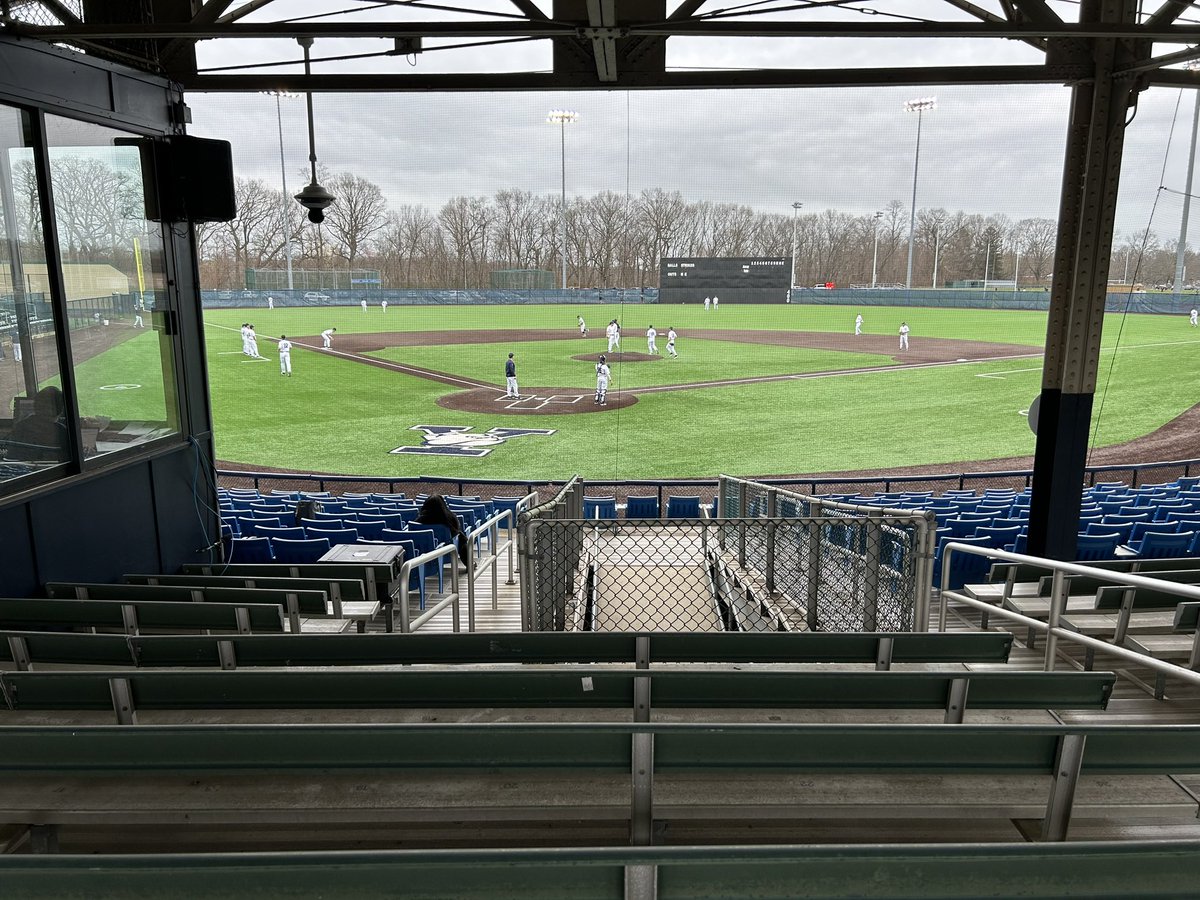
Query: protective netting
<point>36,13</point>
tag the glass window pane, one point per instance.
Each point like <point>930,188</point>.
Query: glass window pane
<point>114,272</point>
<point>33,425</point>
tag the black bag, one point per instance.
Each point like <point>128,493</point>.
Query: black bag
<point>306,508</point>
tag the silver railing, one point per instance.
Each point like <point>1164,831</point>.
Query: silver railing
<point>490,528</point>
<point>448,599</point>
<point>1058,601</point>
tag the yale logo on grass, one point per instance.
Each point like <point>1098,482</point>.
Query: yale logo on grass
<point>460,440</point>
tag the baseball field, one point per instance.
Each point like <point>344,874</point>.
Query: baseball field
<point>755,390</point>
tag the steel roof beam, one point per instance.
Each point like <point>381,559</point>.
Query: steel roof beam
<point>984,15</point>
<point>602,15</point>
<point>706,27</point>
<point>542,81</point>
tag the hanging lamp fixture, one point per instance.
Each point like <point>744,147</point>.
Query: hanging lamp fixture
<point>314,198</point>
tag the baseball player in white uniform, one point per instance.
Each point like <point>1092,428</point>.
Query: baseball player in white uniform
<point>651,340</point>
<point>603,374</point>
<point>246,338</point>
<point>716,301</point>
<point>363,304</point>
<point>137,318</point>
<point>252,339</point>
<point>383,305</point>
<point>270,303</point>
<point>285,355</point>
<point>582,326</point>
<point>903,335</point>
<point>1194,320</point>
<point>614,336</point>
<point>707,303</point>
<point>858,324</point>
<point>327,338</point>
<point>671,342</point>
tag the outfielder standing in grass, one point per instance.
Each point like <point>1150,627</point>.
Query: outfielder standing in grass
<point>285,356</point>
<point>671,343</point>
<point>858,324</point>
<point>1195,317</point>
<point>651,340</point>
<point>603,374</point>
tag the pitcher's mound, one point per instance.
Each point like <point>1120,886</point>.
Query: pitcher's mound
<point>538,401</point>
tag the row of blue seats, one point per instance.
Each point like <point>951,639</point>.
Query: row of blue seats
<point>639,507</point>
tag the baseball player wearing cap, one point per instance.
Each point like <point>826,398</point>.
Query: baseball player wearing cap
<point>671,343</point>
<point>903,335</point>
<point>603,374</point>
<point>582,326</point>
<point>858,320</point>
<point>510,377</point>
<point>327,337</point>
<point>651,340</point>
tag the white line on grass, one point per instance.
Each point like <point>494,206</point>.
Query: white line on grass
<point>1006,372</point>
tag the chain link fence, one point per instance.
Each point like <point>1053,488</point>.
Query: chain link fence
<point>771,561</point>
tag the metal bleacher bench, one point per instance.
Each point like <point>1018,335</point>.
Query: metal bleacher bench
<point>283,650</point>
<point>1022,581</point>
<point>312,605</point>
<point>496,774</point>
<point>133,616</point>
<point>1182,644</point>
<point>381,580</point>
<point>1149,870</point>
<point>571,687</point>
<point>347,596</point>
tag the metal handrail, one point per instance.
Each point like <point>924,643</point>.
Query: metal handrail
<point>490,527</point>
<point>1058,597</point>
<point>449,599</point>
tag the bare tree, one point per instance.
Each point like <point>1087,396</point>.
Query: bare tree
<point>358,214</point>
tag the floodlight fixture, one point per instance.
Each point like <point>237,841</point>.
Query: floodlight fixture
<point>920,106</point>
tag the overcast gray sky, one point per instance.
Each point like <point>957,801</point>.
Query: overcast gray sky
<point>984,149</point>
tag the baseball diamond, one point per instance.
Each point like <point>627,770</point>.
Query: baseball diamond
<point>780,390</point>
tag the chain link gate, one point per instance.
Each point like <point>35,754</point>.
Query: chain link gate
<point>772,560</point>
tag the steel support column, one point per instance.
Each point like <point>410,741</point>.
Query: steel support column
<point>1091,173</point>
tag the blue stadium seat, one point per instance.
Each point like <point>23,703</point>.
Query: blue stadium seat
<point>425,541</point>
<point>964,567</point>
<point>1122,529</point>
<point>1089,547</point>
<point>1163,545</point>
<point>683,507</point>
<point>368,529</point>
<point>294,533</point>
<point>641,507</point>
<point>250,550</point>
<point>601,507</point>
<point>999,537</point>
<point>302,551</point>
<point>333,535</point>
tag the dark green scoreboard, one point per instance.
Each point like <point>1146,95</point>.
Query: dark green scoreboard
<point>734,279</point>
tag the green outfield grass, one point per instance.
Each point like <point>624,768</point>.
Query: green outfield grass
<point>337,415</point>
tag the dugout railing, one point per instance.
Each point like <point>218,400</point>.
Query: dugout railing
<point>706,488</point>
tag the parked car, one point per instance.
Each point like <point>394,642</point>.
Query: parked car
<point>315,295</point>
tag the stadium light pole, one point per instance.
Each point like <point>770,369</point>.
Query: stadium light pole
<point>937,249</point>
<point>987,264</point>
<point>875,254</point>
<point>919,106</point>
<point>283,223</point>
<point>561,118</point>
<point>795,215</point>
<point>1187,190</point>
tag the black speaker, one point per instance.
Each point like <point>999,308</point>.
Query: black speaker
<point>188,179</point>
